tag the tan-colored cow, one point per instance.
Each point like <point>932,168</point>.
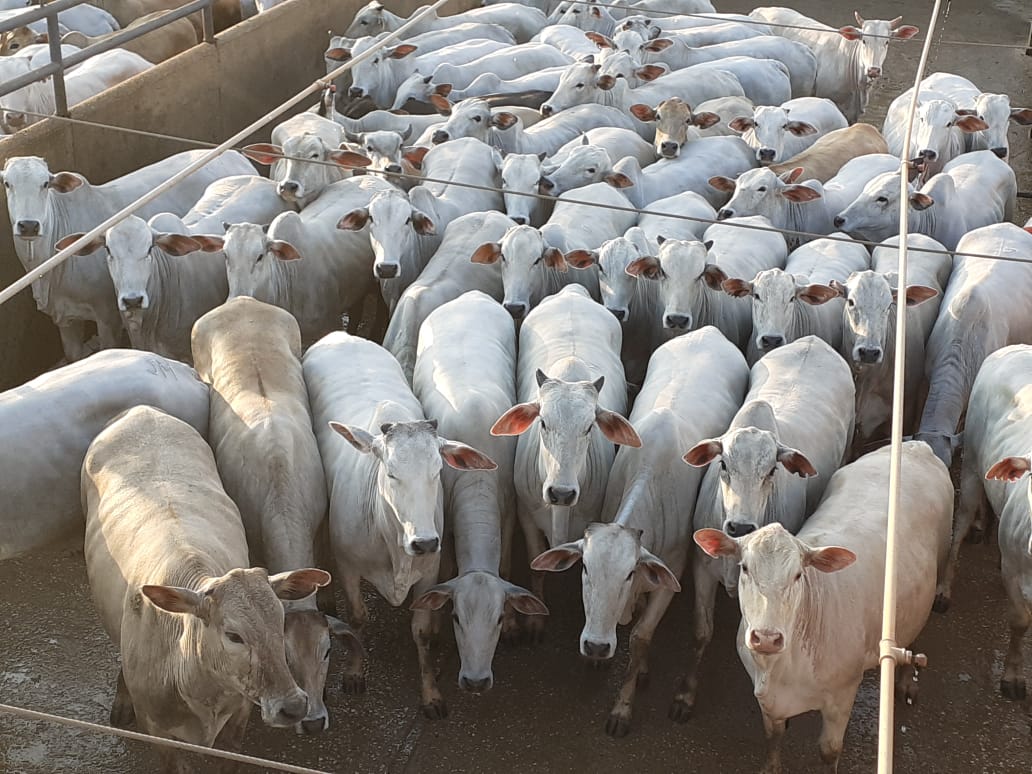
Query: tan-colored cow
<point>157,46</point>
<point>823,160</point>
<point>267,457</point>
<point>201,637</point>
<point>227,12</point>
<point>14,40</point>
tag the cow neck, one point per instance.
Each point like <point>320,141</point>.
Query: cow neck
<point>59,223</point>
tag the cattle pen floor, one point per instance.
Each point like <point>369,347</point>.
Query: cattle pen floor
<point>547,709</point>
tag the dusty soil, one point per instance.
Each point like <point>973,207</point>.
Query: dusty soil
<point>546,711</point>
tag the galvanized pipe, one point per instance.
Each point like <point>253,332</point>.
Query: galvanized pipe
<point>54,38</point>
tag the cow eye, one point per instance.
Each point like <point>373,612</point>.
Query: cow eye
<point>369,149</point>
<point>882,200</point>
<point>762,189</point>
<point>850,302</point>
<point>772,472</point>
<point>455,618</point>
<point>501,618</point>
<point>46,184</point>
<point>14,46</point>
<point>364,22</point>
<point>579,86</point>
<point>376,61</point>
<point>630,575</point>
<point>745,570</point>
<point>723,466</point>
<point>259,258</point>
<point>591,170</point>
<point>543,425</point>
<point>476,119</point>
<point>392,477</point>
<point>314,156</point>
<point>799,575</point>
<point>235,638</point>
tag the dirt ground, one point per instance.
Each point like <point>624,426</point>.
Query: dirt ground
<point>547,709</point>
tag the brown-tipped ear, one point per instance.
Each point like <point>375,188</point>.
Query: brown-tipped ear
<point>356,436</point>
<point>338,54</point>
<point>581,259</point>
<point>559,558</point>
<point>177,244</point>
<point>346,158</point>
<point>830,559</point>
<point>523,601</point>
<point>463,457</point>
<point>905,32</point>
<point>89,247</point>
<point>795,461</point>
<point>553,258</point>
<point>801,128</point>
<point>441,105</point>
<point>599,40</point>
<point>800,193</point>
<point>298,584</point>
<point>647,266</point>
<point>1021,116</point>
<point>739,288</point>
<point>816,294</point>
<point>838,287</point>
<point>918,294</point>
<point>649,72</point>
<point>704,452</point>
<point>616,428</point>
<point>209,243</point>
<point>921,201</point>
<point>742,124</point>
<point>402,50</point>
<point>618,180</point>
<point>489,252</point>
<point>174,599</point>
<point>850,33</point>
<point>354,220</point>
<point>422,224</point>
<point>263,153</point>
<point>713,276</point>
<point>415,156</point>
<point>66,182</point>
<point>643,112</point>
<point>721,183</point>
<point>705,119</point>
<point>970,124</point>
<point>658,44</point>
<point>503,120</point>
<point>443,89</point>
<point>516,420</point>
<point>433,599</point>
<point>715,543</point>
<point>342,631</point>
<point>656,574</point>
<point>1009,469</point>
<point>791,175</point>
<point>284,250</point>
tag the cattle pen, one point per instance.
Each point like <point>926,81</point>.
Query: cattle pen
<point>545,709</point>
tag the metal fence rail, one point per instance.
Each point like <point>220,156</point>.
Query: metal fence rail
<point>59,65</point>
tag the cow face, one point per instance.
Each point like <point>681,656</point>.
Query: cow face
<point>390,217</point>
<point>252,258</point>
<point>471,118</point>
<point>874,214</point>
<point>479,601</point>
<point>873,38</point>
<point>578,85</point>
<point>616,570</point>
<point>936,128</point>
<point>617,285</point>
<point>409,456</point>
<point>370,20</point>
<point>870,304</point>
<point>771,126</point>
<point>30,188</point>
<point>239,619</point>
<point>378,76</point>
<point>761,192</point>
<point>588,17</point>
<point>996,111</point>
<point>382,148</point>
<point>521,173</point>
<point>683,274</point>
<point>307,169</point>
<point>583,165</point>
<point>676,124</point>
<point>778,572</point>
<point>524,255</point>
<point>307,636</point>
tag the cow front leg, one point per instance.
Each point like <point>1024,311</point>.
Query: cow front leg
<point>972,506</point>
<point>431,702</point>
<point>72,334</point>
<point>353,680</point>
<point>1012,684</point>
<point>534,625</point>
<point>122,713</point>
<point>705,583</point>
<point>774,731</point>
<point>231,738</point>
<point>834,719</point>
<point>109,330</point>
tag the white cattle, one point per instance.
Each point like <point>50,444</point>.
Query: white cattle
<point>382,460</point>
<point>571,386</point>
<point>304,263</point>
<point>163,282</point>
<point>339,48</point>
<point>685,215</point>
<point>511,62</point>
<point>69,406</point>
<point>651,27</point>
<point>586,16</point>
<point>155,46</point>
<point>461,163</point>
<point>236,199</point>
<point>826,157</point>
<point>789,582</point>
<point>771,465</point>
<point>582,165</point>
<point>423,88</point>
<point>848,63</point>
<point>800,300</point>
<point>617,142</point>
<point>779,133</point>
<point>465,376</point>
<point>972,324</point>
<point>975,189</point>
<point>261,433</point>
<point>673,39</point>
<point>568,39</point>
<point>521,20</point>
<point>32,103</point>
<point>695,384</point>
<point>447,276</point>
<point>808,207</point>
<point>869,329</point>
<point>201,637</point>
<point>996,449</point>
<point>994,109</point>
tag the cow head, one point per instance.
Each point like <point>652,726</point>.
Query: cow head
<point>471,118</point>
<point>683,275</point>
<point>521,173</point>
<point>308,635</point>
<point>770,127</point>
<point>391,218</point>
<point>870,302</point>
<point>874,214</point>
<point>762,192</point>
<point>254,260</point>
<point>524,256</point>
<point>578,85</point>
<point>676,124</point>
<point>872,37</point>
<point>305,165</point>
<point>30,186</point>
<point>371,19</point>
<point>378,76</point>
<point>618,286</point>
<point>996,111</point>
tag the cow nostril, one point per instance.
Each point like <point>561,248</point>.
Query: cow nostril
<point>393,168</point>
<point>385,270</point>
<point>475,686</point>
<point>839,221</point>
<point>737,529</point>
<point>678,321</point>
<point>314,726</point>
<point>596,649</point>
<point>425,546</point>
<point>519,220</point>
<point>518,311</point>
<point>724,214</point>
<point>439,136</point>
<point>771,342</point>
<point>619,314</point>
<point>562,495</point>
<point>1000,152</point>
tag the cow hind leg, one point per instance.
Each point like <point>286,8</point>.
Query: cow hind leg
<point>705,583</point>
<point>122,713</point>
<point>534,625</point>
<point>619,721</point>
<point>774,731</point>
<point>1012,684</point>
<point>431,702</point>
<point>972,507</point>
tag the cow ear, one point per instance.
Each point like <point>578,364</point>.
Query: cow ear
<point>402,50</point>
<point>721,183</point>
<point>643,112</point>
<point>795,461</point>
<point>1009,469</point>
<point>618,180</point>
<point>343,631</point>
<point>656,574</point>
<point>704,452</point>
<point>801,128</point>
<point>1021,116</point>
<point>463,457</point>
<point>918,294</point>
<point>800,193</point>
<point>415,156</point>
<point>850,33</point>
<point>422,224</point>
<point>742,124</point>
<point>842,290</point>
<point>616,428</point>
<point>66,182</point>
<point>523,601</point>
<point>791,175</point>
<point>503,120</point>
<point>177,244</point>
<point>713,276</point>
<point>443,89</point>
<point>921,201</point>
<point>209,243</point>
<point>349,159</point>
<point>440,104</point>
<point>356,436</point>
<point>581,259</point>
<point>559,558</point>
<point>816,294</point>
<point>433,598</point>
<point>649,72</point>
<point>298,584</point>
<point>658,44</point>
<point>905,32</point>
<point>599,40</point>
<point>354,220</point>
<point>338,54</point>
<point>545,185</point>
<point>970,124</point>
<point>715,543</point>
<point>739,288</point>
<point>284,250</point>
<point>553,258</point>
<point>175,599</point>
<point>89,247</point>
<point>647,266</point>
<point>263,153</point>
<point>829,559</point>
<point>516,420</point>
<point>705,119</point>
<point>489,252</point>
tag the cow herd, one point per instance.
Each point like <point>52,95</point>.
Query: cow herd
<point>635,281</point>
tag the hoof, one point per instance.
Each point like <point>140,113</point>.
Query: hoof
<point>436,709</point>
<point>907,693</point>
<point>643,680</point>
<point>617,726</point>
<point>353,684</point>
<point>680,711</point>
<point>1013,689</point>
<point>941,604</point>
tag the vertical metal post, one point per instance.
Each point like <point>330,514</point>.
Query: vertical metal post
<point>54,36</point>
<point>208,22</point>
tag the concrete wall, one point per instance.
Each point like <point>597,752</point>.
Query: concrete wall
<point>207,93</point>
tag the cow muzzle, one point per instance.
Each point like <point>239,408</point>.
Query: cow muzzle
<point>132,302</point>
<point>737,529</point>
<point>285,712</point>
<point>839,221</point>
<point>669,149</point>
<point>766,641</point>
<point>385,270</point>
<point>517,309</point>
<point>356,92</point>
<point>439,136</point>
<point>27,229</point>
<point>677,322</point>
<point>873,72</point>
<point>313,726</point>
<point>562,495</point>
<point>868,355</point>
<point>546,110</point>
<point>1000,152</point>
<point>476,684</point>
<point>725,213</point>
<point>620,314</point>
<point>927,154</point>
<point>424,546</point>
<point>766,155</point>
<point>596,650</point>
<point>289,190</point>
<point>769,342</point>
<point>519,220</point>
